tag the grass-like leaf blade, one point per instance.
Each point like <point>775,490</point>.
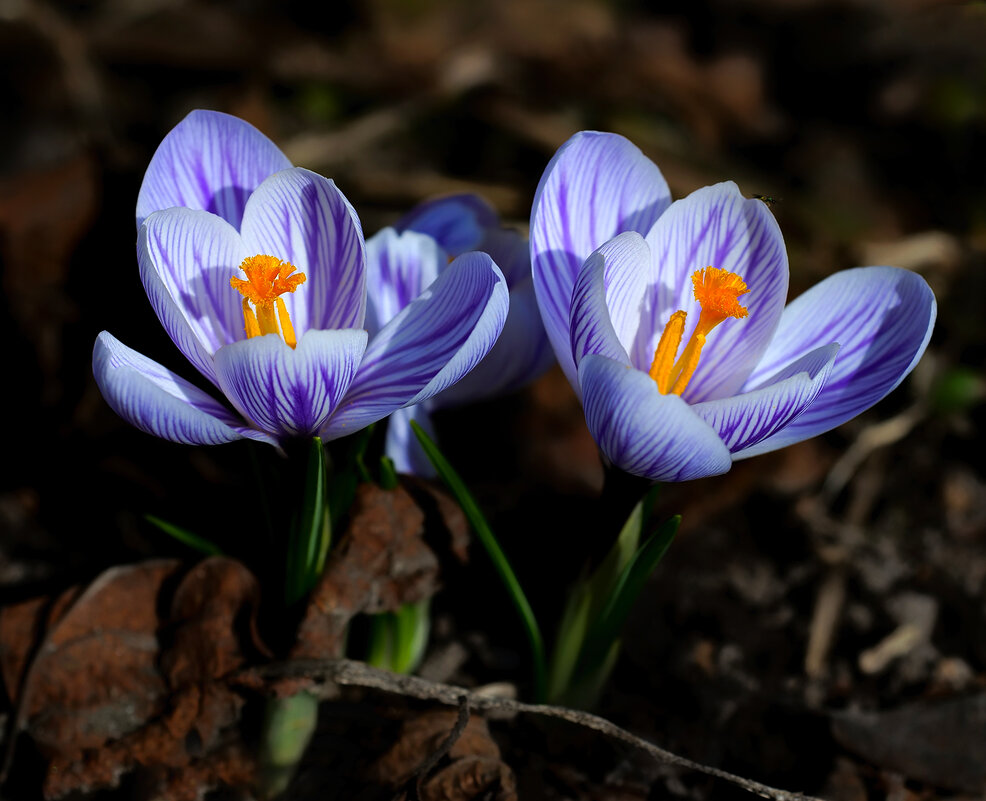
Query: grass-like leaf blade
<point>185,537</point>
<point>485,534</point>
<point>311,531</point>
<point>607,627</point>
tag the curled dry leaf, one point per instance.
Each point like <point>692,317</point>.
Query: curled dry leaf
<point>381,563</point>
<point>130,673</point>
<point>94,675</point>
<point>442,515</point>
<point>471,769</point>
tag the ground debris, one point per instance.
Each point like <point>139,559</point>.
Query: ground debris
<point>93,677</point>
<point>123,679</point>
<point>381,563</point>
<point>470,767</point>
<point>132,672</point>
<point>941,742</point>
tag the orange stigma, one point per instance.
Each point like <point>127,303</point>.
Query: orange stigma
<point>716,291</point>
<point>267,279</point>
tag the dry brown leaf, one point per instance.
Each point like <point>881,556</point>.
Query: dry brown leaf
<point>380,563</point>
<point>94,677</point>
<point>118,683</point>
<point>472,768</point>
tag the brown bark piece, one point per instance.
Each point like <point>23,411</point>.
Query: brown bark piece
<point>380,563</point>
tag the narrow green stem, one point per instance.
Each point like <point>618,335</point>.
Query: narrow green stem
<point>310,535</point>
<point>500,562</point>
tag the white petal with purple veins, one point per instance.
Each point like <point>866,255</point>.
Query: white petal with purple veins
<point>399,267</point>
<point>744,420</point>
<point>596,186</point>
<point>402,446</point>
<point>432,343</point>
<point>290,392</point>
<point>520,355</point>
<point>186,259</point>
<point>717,227</point>
<point>456,222</point>
<point>302,218</point>
<point>644,432</point>
<point>511,252</point>
<point>209,161</point>
<point>882,318</point>
<point>159,402</point>
<point>608,276</point>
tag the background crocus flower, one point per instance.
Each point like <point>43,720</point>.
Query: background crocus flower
<point>682,369</point>
<point>261,283</point>
<point>404,259</point>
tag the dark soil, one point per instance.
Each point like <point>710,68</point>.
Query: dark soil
<point>818,624</point>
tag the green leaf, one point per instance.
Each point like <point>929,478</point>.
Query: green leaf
<point>388,474</point>
<point>381,649</point>
<point>500,563</point>
<point>184,536</point>
<point>606,577</point>
<point>606,629</point>
<point>311,531</point>
<point>289,724</point>
<point>398,639</point>
<point>569,639</point>
<point>413,628</point>
<point>588,597</point>
<point>347,472</point>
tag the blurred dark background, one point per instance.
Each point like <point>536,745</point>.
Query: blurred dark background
<point>864,119</point>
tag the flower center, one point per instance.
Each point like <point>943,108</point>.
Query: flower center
<point>716,291</point>
<point>267,278</point>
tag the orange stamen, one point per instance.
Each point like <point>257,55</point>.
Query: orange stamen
<point>267,278</point>
<point>716,291</point>
<point>660,369</point>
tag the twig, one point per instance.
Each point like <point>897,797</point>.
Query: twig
<point>328,673</point>
<point>422,771</point>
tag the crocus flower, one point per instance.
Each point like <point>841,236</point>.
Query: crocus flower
<point>257,271</point>
<point>405,258</point>
<point>670,321</point>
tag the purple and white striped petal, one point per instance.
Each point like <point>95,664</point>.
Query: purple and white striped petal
<point>717,227</point>
<point>744,420</point>
<point>520,355</point>
<point>596,186</point>
<point>882,317</point>
<point>511,253</point>
<point>290,392</point>
<point>431,344</point>
<point>186,258</point>
<point>399,267</point>
<point>644,432</point>
<point>402,446</point>
<point>456,222</point>
<point>607,294</point>
<point>159,402</point>
<point>209,161</point>
<point>300,217</point>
